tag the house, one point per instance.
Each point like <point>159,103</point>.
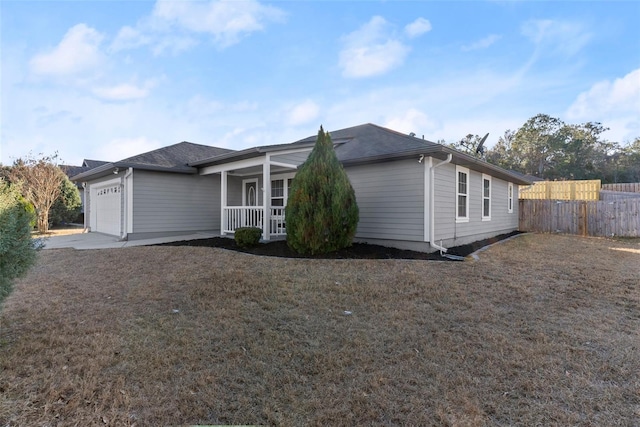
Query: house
<point>412,193</point>
<point>72,171</point>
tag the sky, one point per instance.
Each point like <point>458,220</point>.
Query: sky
<point>105,80</point>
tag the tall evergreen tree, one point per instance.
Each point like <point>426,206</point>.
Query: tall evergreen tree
<point>322,213</point>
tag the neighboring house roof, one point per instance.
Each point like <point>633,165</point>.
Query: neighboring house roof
<point>369,143</point>
<point>174,158</point>
<point>87,165</point>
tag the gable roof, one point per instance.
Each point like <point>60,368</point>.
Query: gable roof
<point>370,143</point>
<point>173,158</point>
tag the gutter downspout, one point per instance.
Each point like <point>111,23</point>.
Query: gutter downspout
<point>125,225</point>
<point>432,196</point>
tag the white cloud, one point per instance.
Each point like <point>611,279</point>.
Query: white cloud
<point>616,104</point>
<point>371,50</point>
<point>173,25</point>
<point>417,27</point>
<point>482,43</point>
<point>412,120</point>
<point>122,148</point>
<point>303,113</point>
<point>558,37</point>
<point>78,51</point>
<point>605,97</point>
<point>124,91</point>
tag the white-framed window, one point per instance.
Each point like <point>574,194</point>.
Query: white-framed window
<point>280,188</point>
<point>486,197</point>
<point>462,194</point>
<point>510,198</point>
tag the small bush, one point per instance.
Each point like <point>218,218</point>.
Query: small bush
<point>248,236</point>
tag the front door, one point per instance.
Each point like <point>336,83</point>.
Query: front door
<point>251,217</point>
<point>250,193</point>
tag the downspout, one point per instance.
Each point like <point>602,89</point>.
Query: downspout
<point>432,203</point>
<point>125,225</point>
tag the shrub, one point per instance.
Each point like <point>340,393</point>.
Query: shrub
<point>67,206</point>
<point>17,248</point>
<point>248,236</point>
<point>322,213</point>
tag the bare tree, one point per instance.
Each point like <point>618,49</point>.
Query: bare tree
<point>39,181</point>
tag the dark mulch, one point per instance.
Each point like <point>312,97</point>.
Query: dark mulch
<point>280,248</point>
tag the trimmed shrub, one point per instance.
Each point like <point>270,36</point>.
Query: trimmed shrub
<point>248,236</point>
<point>322,213</point>
<point>17,248</point>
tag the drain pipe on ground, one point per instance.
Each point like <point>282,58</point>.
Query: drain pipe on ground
<point>432,216</point>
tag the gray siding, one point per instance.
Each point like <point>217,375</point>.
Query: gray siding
<point>454,233</point>
<point>169,202</point>
<point>390,197</point>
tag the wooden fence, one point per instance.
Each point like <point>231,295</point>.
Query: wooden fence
<point>586,218</point>
<point>610,196</point>
<point>627,187</point>
<point>562,190</point>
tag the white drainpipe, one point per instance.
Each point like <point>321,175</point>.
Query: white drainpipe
<point>432,196</point>
<point>124,233</point>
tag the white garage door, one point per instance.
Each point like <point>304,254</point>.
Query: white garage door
<point>107,211</point>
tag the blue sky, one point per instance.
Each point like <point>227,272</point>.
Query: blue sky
<point>109,79</point>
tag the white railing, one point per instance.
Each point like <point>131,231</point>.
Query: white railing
<point>241,216</point>
<point>277,222</point>
<point>235,217</point>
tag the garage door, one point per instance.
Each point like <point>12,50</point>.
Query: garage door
<point>107,211</point>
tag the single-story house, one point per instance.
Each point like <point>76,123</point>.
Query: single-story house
<point>71,171</point>
<point>412,193</point>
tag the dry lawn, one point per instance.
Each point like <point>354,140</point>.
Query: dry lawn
<point>542,330</point>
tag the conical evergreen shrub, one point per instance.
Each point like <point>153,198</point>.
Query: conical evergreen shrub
<point>321,212</point>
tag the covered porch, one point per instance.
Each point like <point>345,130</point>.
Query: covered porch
<point>254,190</point>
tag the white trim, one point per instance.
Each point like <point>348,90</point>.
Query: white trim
<point>486,177</point>
<point>284,165</point>
<point>266,197</point>
<point>223,199</point>
<point>128,182</point>
<point>238,164</point>
<point>460,169</point>
<point>428,162</point>
<point>510,197</point>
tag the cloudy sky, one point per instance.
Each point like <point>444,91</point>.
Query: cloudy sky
<point>109,79</point>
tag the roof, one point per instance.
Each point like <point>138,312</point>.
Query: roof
<point>87,165</point>
<point>362,144</point>
<point>173,158</point>
<point>370,143</point>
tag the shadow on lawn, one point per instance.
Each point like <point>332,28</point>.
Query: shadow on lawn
<point>279,248</point>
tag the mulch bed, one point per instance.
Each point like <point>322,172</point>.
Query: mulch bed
<point>280,248</point>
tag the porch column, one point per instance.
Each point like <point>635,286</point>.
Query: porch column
<point>223,199</point>
<point>266,197</point>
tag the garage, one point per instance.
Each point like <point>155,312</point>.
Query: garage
<point>106,207</point>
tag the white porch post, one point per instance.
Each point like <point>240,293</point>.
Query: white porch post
<point>266,197</point>
<point>223,199</point>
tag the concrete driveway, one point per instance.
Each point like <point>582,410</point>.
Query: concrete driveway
<point>82,241</point>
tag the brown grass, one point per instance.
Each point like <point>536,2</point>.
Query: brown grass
<point>542,330</point>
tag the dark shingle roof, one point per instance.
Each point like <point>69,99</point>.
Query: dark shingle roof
<point>177,156</point>
<point>174,158</point>
<point>369,141</point>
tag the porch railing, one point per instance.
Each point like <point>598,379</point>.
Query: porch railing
<point>235,217</point>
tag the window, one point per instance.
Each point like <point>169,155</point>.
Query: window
<point>280,191</point>
<point>277,192</point>
<point>462,194</point>
<point>510,198</point>
<point>486,197</point>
